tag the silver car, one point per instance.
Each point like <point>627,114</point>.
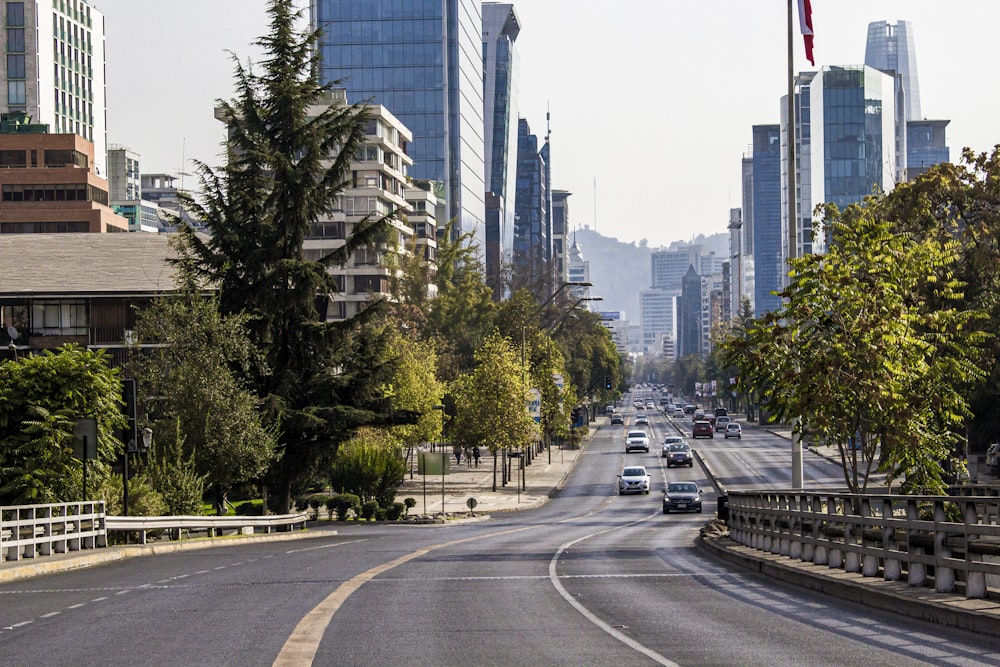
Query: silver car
<point>634,479</point>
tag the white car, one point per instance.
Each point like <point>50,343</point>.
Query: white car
<point>641,419</point>
<point>636,440</point>
<point>721,423</point>
<point>634,479</point>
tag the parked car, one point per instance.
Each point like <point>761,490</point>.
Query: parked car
<point>678,454</point>
<point>721,423</point>
<point>636,440</point>
<point>634,479</point>
<point>641,419</point>
<point>702,429</point>
<point>682,497</point>
<point>734,430</point>
<point>617,419</point>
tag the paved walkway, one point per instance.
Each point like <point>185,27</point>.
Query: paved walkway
<point>546,473</point>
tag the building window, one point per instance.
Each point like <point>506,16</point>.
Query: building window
<point>15,14</point>
<point>15,66</point>
<point>15,40</point>
<point>59,318</point>
<point>16,92</point>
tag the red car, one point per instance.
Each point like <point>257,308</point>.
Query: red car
<point>703,428</point>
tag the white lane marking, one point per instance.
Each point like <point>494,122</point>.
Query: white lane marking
<point>100,599</point>
<point>50,614</point>
<point>325,546</point>
<point>590,616</point>
<point>77,606</point>
<point>19,625</point>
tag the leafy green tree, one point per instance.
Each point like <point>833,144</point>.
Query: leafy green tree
<point>204,408</point>
<point>174,475</point>
<point>41,397</point>
<point>855,354</point>
<point>414,388</point>
<point>491,402</point>
<point>370,466</point>
<point>290,149</point>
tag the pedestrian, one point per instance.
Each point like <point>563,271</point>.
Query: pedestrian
<point>475,454</point>
<point>458,454</point>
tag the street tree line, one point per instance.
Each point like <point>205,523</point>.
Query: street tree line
<point>242,378</point>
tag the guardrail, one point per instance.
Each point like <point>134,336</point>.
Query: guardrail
<point>952,543</point>
<point>214,526</point>
<point>27,531</point>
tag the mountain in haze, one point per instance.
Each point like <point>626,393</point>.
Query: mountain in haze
<point>620,270</point>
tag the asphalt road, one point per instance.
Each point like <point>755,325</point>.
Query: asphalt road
<point>591,578</point>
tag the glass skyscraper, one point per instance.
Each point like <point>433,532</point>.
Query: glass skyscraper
<point>769,267</point>
<point>532,233</point>
<point>890,48</point>
<point>422,60</point>
<point>501,27</point>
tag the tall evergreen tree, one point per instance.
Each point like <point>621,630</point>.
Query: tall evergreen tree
<point>290,148</point>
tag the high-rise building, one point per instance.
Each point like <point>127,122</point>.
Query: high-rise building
<point>926,146</point>
<point>532,263</point>
<point>501,27</point>
<point>668,267</point>
<point>53,68</point>
<point>658,318</point>
<point>890,48</point>
<point>767,230</point>
<point>689,326</point>
<point>423,61</point>
<point>560,236</point>
<point>846,133</point>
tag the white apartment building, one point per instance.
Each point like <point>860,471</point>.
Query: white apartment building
<point>53,68</point>
<point>378,187</point>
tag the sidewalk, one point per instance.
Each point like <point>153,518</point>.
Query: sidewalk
<point>546,473</point>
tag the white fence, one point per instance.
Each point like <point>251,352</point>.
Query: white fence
<point>27,531</point>
<point>212,526</point>
<point>30,531</point>
<point>952,543</point>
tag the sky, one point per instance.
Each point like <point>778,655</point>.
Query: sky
<point>651,103</point>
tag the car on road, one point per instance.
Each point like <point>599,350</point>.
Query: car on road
<point>634,479</point>
<point>617,419</point>
<point>721,423</point>
<point>678,454</point>
<point>701,429</point>
<point>689,409</point>
<point>636,440</point>
<point>734,430</point>
<point>681,497</point>
<point>641,419</point>
<point>719,412</point>
<point>678,412</point>
<point>610,410</point>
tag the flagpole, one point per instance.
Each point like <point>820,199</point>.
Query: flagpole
<point>793,223</point>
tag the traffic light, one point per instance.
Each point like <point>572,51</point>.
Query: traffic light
<point>607,382</point>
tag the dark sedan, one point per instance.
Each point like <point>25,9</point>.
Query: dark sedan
<point>682,497</point>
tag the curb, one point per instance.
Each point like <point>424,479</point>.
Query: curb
<point>980,616</point>
<point>42,565</point>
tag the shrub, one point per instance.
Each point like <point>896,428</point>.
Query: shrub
<point>250,508</point>
<point>410,503</point>
<point>368,510</point>
<point>343,503</point>
<point>381,513</point>
<point>395,511</point>
<point>319,500</point>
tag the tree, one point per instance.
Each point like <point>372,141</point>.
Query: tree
<point>290,149</point>
<point>202,402</point>
<point>491,402</point>
<point>415,389</point>
<point>855,352</point>
<point>370,466</point>
<point>41,397</point>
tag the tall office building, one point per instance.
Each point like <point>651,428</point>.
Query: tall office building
<point>668,267</point>
<point>423,61</point>
<point>926,146</point>
<point>501,27</point>
<point>769,267</point>
<point>532,234</point>
<point>561,250</point>
<point>53,67</point>
<point>846,134</point>
<point>890,48</point>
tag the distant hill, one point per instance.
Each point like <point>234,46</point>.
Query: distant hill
<point>620,270</point>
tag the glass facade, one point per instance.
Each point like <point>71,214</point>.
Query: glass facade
<point>422,60</point>
<point>769,270</point>
<point>532,238</point>
<point>890,48</point>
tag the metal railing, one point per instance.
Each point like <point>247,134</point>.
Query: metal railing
<point>952,543</point>
<point>177,527</point>
<point>27,531</point>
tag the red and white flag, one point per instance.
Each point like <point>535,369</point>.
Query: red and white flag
<point>806,26</point>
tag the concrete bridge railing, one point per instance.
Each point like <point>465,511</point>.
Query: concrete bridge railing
<point>950,543</point>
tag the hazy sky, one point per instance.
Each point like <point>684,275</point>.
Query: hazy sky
<point>652,99</point>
